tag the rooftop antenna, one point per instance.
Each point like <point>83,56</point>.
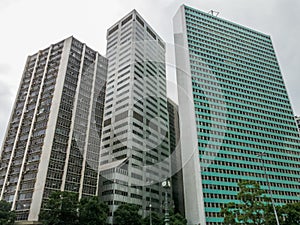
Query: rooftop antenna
<point>214,13</point>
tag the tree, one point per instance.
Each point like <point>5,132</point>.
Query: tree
<point>127,214</point>
<point>7,217</point>
<point>291,214</point>
<point>177,219</point>
<point>230,213</point>
<point>61,209</point>
<point>157,219</point>
<point>251,207</point>
<point>288,214</point>
<point>92,211</point>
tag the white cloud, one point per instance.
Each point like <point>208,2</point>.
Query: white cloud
<point>27,26</point>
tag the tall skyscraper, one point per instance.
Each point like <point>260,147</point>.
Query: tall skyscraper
<point>175,151</point>
<point>53,137</point>
<point>135,139</point>
<point>235,116</point>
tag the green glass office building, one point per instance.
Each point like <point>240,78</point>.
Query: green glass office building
<point>235,116</point>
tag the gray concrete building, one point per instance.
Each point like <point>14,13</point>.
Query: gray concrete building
<point>54,132</point>
<point>176,161</point>
<point>135,138</point>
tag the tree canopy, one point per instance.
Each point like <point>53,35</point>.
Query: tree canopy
<point>288,214</point>
<point>7,217</point>
<point>251,206</point>
<point>159,219</point>
<point>60,209</point>
<point>92,211</point>
<point>177,219</point>
<point>127,214</point>
<point>63,208</point>
<point>254,208</point>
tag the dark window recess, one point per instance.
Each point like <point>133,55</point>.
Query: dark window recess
<point>161,44</point>
<point>140,20</point>
<point>127,19</point>
<point>107,122</point>
<point>138,116</point>
<point>121,116</point>
<point>121,157</point>
<point>113,30</point>
<point>137,158</point>
<point>151,33</point>
<point>119,149</point>
<point>137,176</point>
<point>124,68</point>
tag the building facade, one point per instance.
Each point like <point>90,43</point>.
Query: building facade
<point>235,116</point>
<point>175,151</point>
<point>54,133</point>
<point>135,138</point>
<point>297,118</point>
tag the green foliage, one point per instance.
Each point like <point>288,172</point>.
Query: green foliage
<point>288,214</point>
<point>61,209</point>
<point>252,206</point>
<point>253,203</point>
<point>177,219</point>
<point>127,214</point>
<point>7,217</point>
<point>92,211</point>
<point>158,219</point>
<point>291,214</point>
<point>230,212</point>
<point>255,208</point>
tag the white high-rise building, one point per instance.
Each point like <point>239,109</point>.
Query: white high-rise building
<point>135,137</point>
<point>53,137</point>
<point>236,120</point>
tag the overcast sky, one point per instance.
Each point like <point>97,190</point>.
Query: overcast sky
<point>29,25</point>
